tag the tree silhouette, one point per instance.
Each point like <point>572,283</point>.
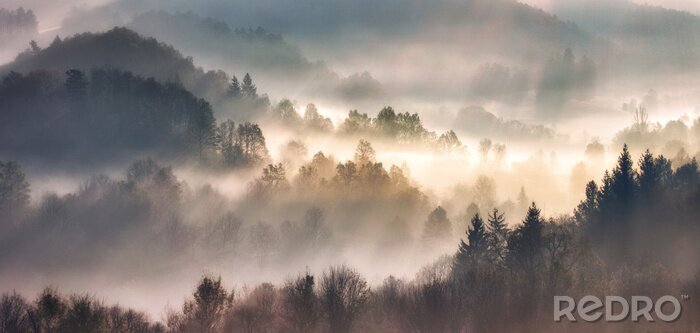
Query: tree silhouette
<point>344,294</point>
<point>498,234</point>
<point>248,89</point>
<point>301,305</point>
<point>234,90</point>
<point>364,153</point>
<point>525,243</point>
<point>438,227</point>
<point>475,252</point>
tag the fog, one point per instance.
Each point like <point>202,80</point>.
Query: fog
<point>149,145</point>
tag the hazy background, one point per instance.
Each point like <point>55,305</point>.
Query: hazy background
<point>554,86</point>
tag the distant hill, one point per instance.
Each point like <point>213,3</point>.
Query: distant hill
<point>215,43</point>
<point>124,49</point>
<point>650,39</point>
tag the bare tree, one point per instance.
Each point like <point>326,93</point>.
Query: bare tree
<point>13,314</point>
<point>344,294</point>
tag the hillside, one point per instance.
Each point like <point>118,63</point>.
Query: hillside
<point>647,38</point>
<point>124,49</point>
<point>98,117</point>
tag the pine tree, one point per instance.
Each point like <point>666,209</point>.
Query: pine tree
<point>654,174</point>
<point>234,89</point>
<point>586,209</point>
<point>624,179</point>
<point>525,243</point>
<point>248,89</point>
<point>498,233</point>
<point>475,251</point>
<point>523,200</point>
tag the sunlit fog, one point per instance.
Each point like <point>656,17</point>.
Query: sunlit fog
<point>345,166</point>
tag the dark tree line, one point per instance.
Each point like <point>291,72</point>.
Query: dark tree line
<point>646,211</point>
<point>99,115</point>
<point>108,114</point>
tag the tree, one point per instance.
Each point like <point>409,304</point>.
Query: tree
<point>234,89</point>
<point>499,151</point>
<point>364,153</point>
<point>344,294</point>
<point>386,122</point>
<point>356,123</point>
<point>14,191</point>
<point>624,183</point>
<point>485,146</point>
<point>498,233</point>
<point>525,243</point>
<point>251,144</point>
<point>248,89</point>
<point>314,229</point>
<point>76,85</point>
<point>586,209</point>
<point>485,192</point>
<point>654,175</point>
<point>475,252</point>
<point>50,309</point>
<point>523,201</point>
<point>287,113</point>
<point>409,127</point>
<point>13,314</point>
<point>231,154</point>
<point>449,143</point>
<point>202,127</point>
<point>315,121</point>
<point>272,181</point>
<point>84,315</point>
<point>300,308</point>
<point>207,308</point>
<point>438,227</point>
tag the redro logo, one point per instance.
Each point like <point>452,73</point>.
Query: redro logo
<point>590,308</point>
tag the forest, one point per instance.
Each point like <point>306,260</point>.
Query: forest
<point>211,167</point>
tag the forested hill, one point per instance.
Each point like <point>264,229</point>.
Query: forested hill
<point>124,49</point>
<point>254,49</point>
<point>98,117</point>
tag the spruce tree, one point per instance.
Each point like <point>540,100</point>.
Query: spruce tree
<point>525,243</point>
<point>475,251</point>
<point>248,89</point>
<point>234,89</point>
<point>498,232</point>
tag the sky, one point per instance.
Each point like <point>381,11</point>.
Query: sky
<point>692,6</point>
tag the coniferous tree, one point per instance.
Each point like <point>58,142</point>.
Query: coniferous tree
<point>234,89</point>
<point>474,252</point>
<point>525,243</point>
<point>498,233</point>
<point>248,89</point>
<point>654,174</point>
<point>587,208</point>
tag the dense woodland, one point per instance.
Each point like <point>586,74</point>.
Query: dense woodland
<point>633,234</point>
<point>117,99</point>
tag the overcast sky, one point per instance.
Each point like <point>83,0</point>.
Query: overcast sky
<point>692,6</point>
